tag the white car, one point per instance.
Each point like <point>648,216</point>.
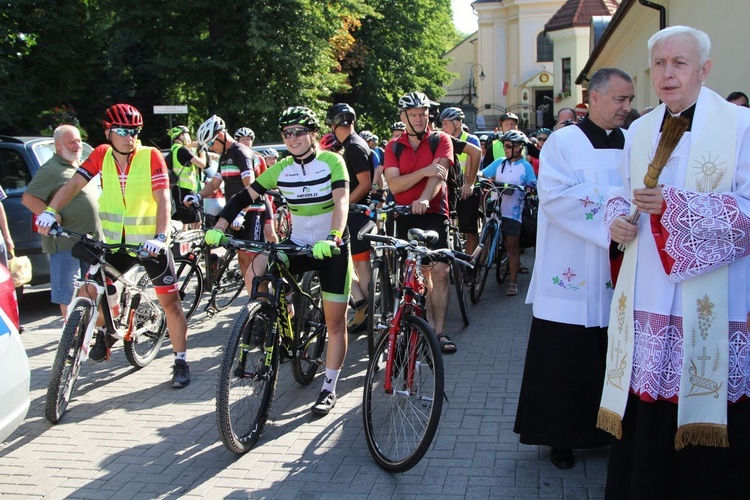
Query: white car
<point>14,364</point>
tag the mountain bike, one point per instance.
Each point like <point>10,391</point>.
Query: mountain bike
<point>404,382</point>
<point>137,318</point>
<point>262,336</point>
<point>385,272</point>
<point>458,274</point>
<point>491,248</point>
<point>198,269</point>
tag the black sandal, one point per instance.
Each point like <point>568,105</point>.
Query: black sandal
<point>447,346</point>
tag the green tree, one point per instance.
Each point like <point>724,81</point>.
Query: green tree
<point>399,50</point>
<point>50,56</point>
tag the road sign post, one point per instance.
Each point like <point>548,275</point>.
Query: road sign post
<point>171,110</point>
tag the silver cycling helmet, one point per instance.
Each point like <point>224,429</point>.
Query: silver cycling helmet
<point>453,113</point>
<point>269,152</point>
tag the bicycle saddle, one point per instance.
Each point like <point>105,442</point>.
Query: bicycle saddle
<point>426,237</point>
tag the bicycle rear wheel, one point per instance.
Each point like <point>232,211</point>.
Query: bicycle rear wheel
<point>67,364</point>
<point>245,386</point>
<point>379,305</point>
<point>190,283</point>
<point>482,266</point>
<point>400,426</point>
<point>462,292</point>
<point>148,328</point>
<point>229,283</point>
<point>310,330</point>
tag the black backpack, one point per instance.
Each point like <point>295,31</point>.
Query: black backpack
<point>454,172</point>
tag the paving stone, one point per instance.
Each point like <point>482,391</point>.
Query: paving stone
<point>127,434</point>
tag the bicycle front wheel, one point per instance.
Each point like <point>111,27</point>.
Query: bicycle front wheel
<point>148,327</point>
<point>67,364</point>
<point>190,283</point>
<point>482,266</point>
<point>229,283</point>
<point>400,425</point>
<point>379,305</point>
<point>245,384</point>
<point>310,330</point>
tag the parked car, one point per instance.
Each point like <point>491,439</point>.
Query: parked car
<point>15,372</point>
<point>281,148</point>
<point>20,158</point>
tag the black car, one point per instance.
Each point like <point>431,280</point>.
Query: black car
<point>20,158</point>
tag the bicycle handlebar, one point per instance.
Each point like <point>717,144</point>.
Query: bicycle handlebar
<point>270,248</point>
<point>57,231</point>
<point>418,246</point>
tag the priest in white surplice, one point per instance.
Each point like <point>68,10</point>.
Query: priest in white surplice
<point>677,384</point>
<point>571,287</point>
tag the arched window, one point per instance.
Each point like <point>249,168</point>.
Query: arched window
<point>544,52</point>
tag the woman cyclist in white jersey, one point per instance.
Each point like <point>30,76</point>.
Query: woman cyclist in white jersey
<point>315,185</point>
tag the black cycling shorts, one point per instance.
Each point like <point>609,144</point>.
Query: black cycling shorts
<point>182,213</point>
<point>254,227</point>
<point>427,222</point>
<point>335,272</point>
<point>511,227</point>
<point>355,223</point>
<point>468,214</point>
<point>161,272</point>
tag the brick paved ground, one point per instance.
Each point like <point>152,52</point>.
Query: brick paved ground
<point>129,435</point>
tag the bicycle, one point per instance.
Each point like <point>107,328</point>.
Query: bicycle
<point>457,274</point>
<point>262,337</point>
<point>491,248</point>
<point>384,275</point>
<point>198,269</point>
<point>404,382</point>
<point>137,318</point>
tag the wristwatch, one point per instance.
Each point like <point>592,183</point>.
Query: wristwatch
<point>161,237</point>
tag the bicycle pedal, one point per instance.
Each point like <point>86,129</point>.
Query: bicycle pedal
<point>210,312</point>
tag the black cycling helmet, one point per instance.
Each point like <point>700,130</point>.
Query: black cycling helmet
<point>414,100</point>
<point>398,126</point>
<point>340,114</point>
<point>244,132</point>
<point>453,113</point>
<point>299,115</point>
<point>509,116</point>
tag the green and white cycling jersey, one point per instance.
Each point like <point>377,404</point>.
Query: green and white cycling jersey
<point>308,190</point>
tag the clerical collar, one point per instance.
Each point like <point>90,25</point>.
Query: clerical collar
<point>688,113</point>
<point>600,138</point>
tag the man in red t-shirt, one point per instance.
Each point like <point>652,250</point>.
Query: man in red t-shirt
<point>417,177</point>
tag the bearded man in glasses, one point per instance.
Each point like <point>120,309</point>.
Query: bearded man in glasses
<point>134,208</point>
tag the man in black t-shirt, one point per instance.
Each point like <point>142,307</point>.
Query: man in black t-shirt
<point>238,168</point>
<point>359,162</point>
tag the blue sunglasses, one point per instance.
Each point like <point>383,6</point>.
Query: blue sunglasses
<point>124,132</point>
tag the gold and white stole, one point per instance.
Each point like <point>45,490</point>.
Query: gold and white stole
<point>702,415</point>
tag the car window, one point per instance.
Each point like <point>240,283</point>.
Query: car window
<point>13,172</point>
<point>43,151</point>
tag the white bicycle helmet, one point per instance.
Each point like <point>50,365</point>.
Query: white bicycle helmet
<point>244,132</point>
<point>453,113</point>
<point>269,152</point>
<point>515,136</point>
<point>414,100</point>
<point>209,129</point>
